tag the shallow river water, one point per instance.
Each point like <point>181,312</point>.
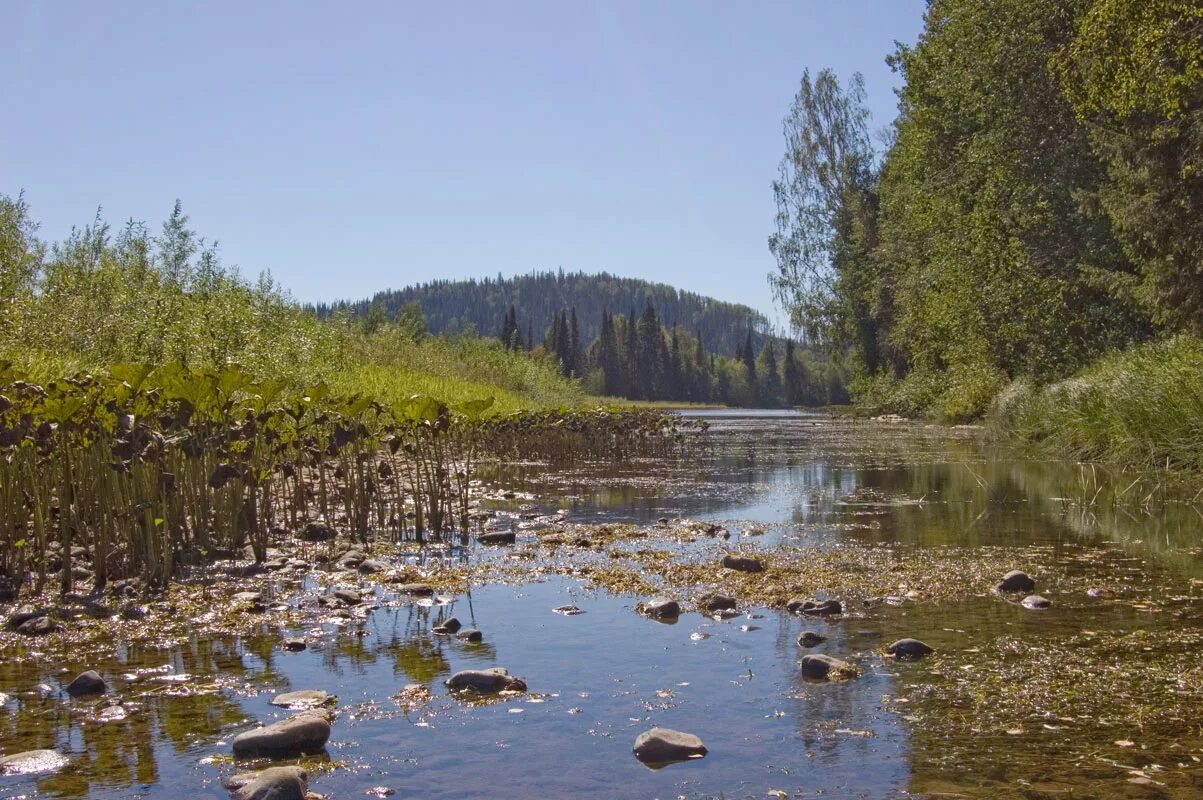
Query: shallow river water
<point>1121,718</point>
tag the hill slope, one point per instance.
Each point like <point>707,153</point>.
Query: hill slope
<point>455,306</point>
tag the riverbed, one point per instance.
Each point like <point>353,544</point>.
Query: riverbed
<point>908,525</point>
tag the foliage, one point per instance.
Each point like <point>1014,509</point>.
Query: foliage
<point>1134,72</point>
<point>458,307</point>
<point>1142,407</point>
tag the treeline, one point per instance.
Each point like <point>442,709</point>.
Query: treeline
<point>639,358</point>
<point>457,307</point>
<point>1040,204</point>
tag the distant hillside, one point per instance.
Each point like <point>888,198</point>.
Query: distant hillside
<point>456,306</point>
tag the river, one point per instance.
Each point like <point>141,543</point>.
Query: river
<point>1092,697</point>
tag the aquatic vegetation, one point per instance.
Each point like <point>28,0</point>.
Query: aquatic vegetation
<point>149,471</point>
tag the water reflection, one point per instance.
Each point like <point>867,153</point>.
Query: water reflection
<point>599,679</point>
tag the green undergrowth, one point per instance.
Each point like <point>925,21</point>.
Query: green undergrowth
<point>1142,408</point>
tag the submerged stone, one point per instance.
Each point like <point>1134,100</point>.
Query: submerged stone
<point>718,602</point>
<point>662,746</point>
<point>1035,601</point>
<point>810,639</point>
<point>305,698</point>
<point>486,681</point>
<point>742,563</point>
<point>32,761</point>
<point>497,537</point>
<point>450,626</point>
<point>662,608</point>
<point>909,649</point>
<point>822,667</point>
<point>1016,581</point>
<point>273,783</point>
<point>304,733</point>
<point>815,608</point>
<point>86,683</point>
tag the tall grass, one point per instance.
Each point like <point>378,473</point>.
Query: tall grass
<point>1142,407</point>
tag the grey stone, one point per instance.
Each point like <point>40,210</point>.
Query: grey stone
<point>294,645</point>
<point>742,563</point>
<point>304,698</point>
<point>371,566</point>
<point>497,537</point>
<point>470,635</point>
<point>909,649</point>
<point>86,683</point>
<point>449,626</point>
<point>1016,581</point>
<point>662,608</point>
<point>817,666</point>
<point>660,746</point>
<point>38,626</point>
<point>815,608</point>
<point>316,532</point>
<point>485,681</point>
<point>348,596</point>
<point>32,761</point>
<point>273,783</point>
<point>1035,601</point>
<point>810,639</point>
<point>306,732</point>
<point>718,602</point>
<point>416,589</point>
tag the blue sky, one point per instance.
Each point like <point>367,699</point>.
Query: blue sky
<point>354,147</point>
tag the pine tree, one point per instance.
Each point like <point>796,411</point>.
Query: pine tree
<point>770,379</point>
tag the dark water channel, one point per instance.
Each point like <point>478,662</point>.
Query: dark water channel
<point>600,678</point>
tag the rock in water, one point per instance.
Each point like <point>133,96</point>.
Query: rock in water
<point>86,683</point>
<point>909,649</point>
<point>810,639</point>
<point>718,602</point>
<point>815,608</point>
<point>450,626</point>
<point>295,645</point>
<point>661,746</point>
<point>1035,601</point>
<point>305,698</point>
<point>470,635</point>
<point>825,668</point>
<point>38,626</point>
<point>32,761</point>
<point>497,537</point>
<point>316,532</point>
<point>662,608</point>
<point>742,563</point>
<point>1015,581</point>
<point>486,681</point>
<point>306,732</point>
<point>273,783</point>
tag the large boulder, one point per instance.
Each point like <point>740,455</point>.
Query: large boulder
<point>485,681</point>
<point>273,783</point>
<point>742,563</point>
<point>661,746</point>
<point>306,732</point>
<point>1015,581</point>
<point>86,683</point>
<point>909,649</point>
<point>825,668</point>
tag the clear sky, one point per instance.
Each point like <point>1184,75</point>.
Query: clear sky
<point>351,147</point>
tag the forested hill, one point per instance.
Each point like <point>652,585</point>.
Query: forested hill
<point>455,306</point>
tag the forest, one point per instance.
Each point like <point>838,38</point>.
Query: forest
<point>1030,242</point>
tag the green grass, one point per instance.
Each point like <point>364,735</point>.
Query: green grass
<point>1142,407</point>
